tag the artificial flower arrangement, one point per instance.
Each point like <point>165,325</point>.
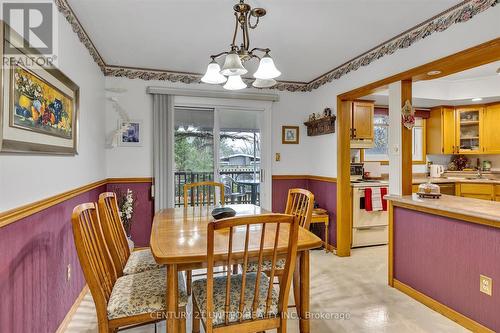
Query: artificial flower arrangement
<point>126,205</point>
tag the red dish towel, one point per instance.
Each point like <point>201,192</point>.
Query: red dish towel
<point>370,198</point>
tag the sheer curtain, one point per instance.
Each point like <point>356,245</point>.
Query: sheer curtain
<point>163,108</point>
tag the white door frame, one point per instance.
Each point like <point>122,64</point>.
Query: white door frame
<point>241,105</point>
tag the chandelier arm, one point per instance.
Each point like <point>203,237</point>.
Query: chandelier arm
<point>267,50</point>
<point>253,26</point>
<point>235,30</point>
<point>245,31</point>
<point>215,56</point>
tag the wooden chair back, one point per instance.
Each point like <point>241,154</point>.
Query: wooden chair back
<point>94,256</point>
<point>114,232</point>
<point>203,194</point>
<point>300,203</point>
<point>273,229</point>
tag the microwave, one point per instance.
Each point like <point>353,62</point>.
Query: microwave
<point>357,169</point>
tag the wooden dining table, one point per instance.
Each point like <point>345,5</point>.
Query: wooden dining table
<point>179,241</point>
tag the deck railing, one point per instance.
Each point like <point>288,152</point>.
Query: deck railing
<point>235,193</point>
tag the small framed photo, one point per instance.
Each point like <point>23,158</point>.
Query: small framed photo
<point>290,134</point>
<point>131,133</point>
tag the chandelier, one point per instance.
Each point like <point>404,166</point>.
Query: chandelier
<point>233,68</point>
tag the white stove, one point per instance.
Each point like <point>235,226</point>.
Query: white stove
<point>368,227</point>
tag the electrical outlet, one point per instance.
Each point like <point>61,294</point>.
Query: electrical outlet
<point>68,272</point>
<point>486,285</point>
<point>278,157</point>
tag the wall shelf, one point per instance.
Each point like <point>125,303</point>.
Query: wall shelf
<point>325,125</point>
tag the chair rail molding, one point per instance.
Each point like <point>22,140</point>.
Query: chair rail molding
<point>459,13</point>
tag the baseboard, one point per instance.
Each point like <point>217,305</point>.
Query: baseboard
<point>441,308</point>
<point>64,324</point>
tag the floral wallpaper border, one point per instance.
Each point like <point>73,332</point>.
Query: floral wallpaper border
<point>462,12</point>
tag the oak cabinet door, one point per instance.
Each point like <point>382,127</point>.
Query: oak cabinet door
<point>468,130</point>
<point>362,120</point>
<point>491,129</point>
<point>448,131</point>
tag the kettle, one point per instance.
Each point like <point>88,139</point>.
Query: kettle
<point>436,170</point>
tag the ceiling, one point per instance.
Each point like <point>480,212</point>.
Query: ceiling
<point>482,81</point>
<point>487,70</point>
<point>307,38</point>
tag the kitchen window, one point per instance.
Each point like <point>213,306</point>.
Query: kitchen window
<point>380,150</point>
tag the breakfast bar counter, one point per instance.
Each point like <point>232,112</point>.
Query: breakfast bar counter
<point>440,252</point>
<point>467,209</point>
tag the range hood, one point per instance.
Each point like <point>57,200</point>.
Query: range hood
<point>362,143</point>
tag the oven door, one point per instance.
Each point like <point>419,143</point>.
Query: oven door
<point>369,228</point>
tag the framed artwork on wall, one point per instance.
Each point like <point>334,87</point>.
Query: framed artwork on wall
<point>130,133</point>
<point>38,109</point>
<point>290,134</point>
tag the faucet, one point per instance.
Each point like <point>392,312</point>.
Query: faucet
<point>479,173</point>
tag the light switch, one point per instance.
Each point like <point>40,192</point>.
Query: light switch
<point>278,157</point>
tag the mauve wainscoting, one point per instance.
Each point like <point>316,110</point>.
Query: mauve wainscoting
<point>35,253</point>
<point>325,194</point>
<point>443,258</point>
<point>143,208</point>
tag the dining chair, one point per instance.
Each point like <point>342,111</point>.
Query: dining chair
<point>246,302</point>
<point>300,203</point>
<point>203,194</point>
<point>119,301</point>
<point>125,261</point>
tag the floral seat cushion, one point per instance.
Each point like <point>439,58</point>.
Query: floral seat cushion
<point>140,261</point>
<point>200,296</point>
<point>266,265</point>
<point>142,293</point>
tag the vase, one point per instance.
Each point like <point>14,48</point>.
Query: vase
<point>130,243</point>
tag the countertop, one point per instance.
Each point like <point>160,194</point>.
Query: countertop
<point>477,208</point>
<point>420,180</point>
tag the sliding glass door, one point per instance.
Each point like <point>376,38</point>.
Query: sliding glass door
<point>220,144</point>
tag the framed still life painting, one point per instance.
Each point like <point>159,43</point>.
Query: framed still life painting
<point>39,110</point>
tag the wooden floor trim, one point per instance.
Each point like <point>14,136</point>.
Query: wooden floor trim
<point>441,308</point>
<point>67,319</point>
<point>15,214</point>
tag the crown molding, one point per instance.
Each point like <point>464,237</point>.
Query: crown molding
<point>462,12</point>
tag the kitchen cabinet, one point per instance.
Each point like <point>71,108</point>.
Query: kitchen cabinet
<point>477,191</point>
<point>469,122</point>
<point>464,130</point>
<point>446,188</point>
<point>362,120</point>
<point>497,192</point>
<point>491,132</point>
<point>440,131</point>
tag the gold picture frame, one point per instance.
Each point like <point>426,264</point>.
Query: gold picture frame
<point>45,124</point>
<point>290,135</point>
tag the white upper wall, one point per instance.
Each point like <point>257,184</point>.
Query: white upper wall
<point>482,28</point>
<point>28,178</point>
<point>291,109</point>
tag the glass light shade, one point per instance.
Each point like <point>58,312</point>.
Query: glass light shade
<point>213,75</point>
<point>235,83</point>
<point>233,66</point>
<point>267,69</point>
<point>261,83</point>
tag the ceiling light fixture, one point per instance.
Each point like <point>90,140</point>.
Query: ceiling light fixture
<point>433,73</point>
<point>234,60</point>
<point>477,99</point>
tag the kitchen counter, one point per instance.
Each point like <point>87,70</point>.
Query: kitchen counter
<point>476,209</point>
<point>443,180</point>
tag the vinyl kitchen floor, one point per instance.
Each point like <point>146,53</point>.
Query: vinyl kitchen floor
<point>356,286</point>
